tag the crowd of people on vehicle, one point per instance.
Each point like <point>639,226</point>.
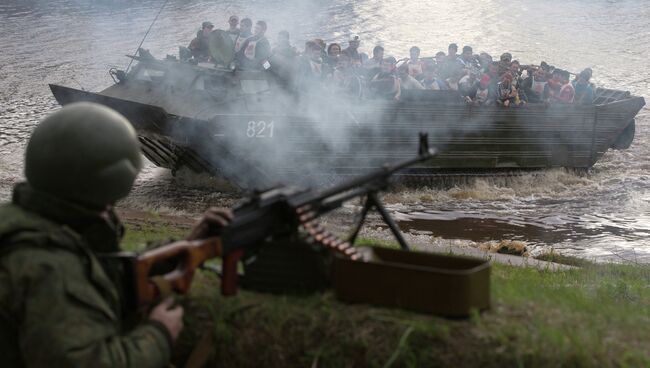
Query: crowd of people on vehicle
<point>478,78</point>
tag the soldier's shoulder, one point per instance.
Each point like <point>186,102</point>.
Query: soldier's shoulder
<point>19,226</point>
<point>13,218</point>
<point>10,208</point>
<point>27,242</point>
<point>25,258</point>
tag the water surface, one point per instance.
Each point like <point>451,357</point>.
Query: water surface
<point>604,214</point>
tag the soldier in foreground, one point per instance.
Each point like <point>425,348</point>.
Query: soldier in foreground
<point>61,305</point>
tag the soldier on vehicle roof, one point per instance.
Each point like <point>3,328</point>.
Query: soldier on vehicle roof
<point>233,31</point>
<point>199,45</point>
<point>61,304</point>
<point>245,27</point>
<point>255,50</point>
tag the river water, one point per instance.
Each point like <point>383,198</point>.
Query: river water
<point>604,214</point>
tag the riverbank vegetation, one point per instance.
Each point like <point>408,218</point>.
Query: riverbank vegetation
<point>597,315</point>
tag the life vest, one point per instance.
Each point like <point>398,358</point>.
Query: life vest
<point>240,41</point>
<point>250,49</point>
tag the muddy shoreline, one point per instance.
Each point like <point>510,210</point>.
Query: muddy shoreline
<point>340,222</point>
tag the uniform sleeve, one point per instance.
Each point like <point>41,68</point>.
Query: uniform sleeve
<point>65,322</point>
<point>194,44</point>
<point>263,50</point>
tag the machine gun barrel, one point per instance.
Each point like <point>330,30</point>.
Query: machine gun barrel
<point>375,180</point>
<point>373,177</point>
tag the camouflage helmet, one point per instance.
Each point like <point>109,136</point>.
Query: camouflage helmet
<point>86,153</point>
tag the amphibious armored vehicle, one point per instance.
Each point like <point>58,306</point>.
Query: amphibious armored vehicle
<point>252,127</point>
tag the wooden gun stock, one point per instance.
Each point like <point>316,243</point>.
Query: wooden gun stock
<point>189,255</point>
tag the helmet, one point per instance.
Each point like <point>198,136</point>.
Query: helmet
<point>86,153</point>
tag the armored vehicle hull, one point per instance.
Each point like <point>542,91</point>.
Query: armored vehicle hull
<point>251,129</point>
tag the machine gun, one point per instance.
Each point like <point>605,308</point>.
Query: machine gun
<point>268,215</point>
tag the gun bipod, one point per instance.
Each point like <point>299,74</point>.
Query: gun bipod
<point>330,241</point>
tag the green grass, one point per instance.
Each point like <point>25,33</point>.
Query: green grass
<point>377,242</point>
<point>553,256</point>
<point>138,235</point>
<point>595,316</point>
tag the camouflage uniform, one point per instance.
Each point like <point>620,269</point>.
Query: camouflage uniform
<point>58,305</point>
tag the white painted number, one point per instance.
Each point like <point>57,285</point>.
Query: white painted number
<point>260,129</point>
<point>250,132</point>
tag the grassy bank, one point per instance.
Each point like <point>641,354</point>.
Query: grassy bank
<point>595,316</point>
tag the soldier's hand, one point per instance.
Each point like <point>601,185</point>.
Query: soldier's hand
<point>169,315</point>
<point>213,220</point>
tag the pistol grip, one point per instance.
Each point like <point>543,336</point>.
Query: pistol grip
<point>229,272</point>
